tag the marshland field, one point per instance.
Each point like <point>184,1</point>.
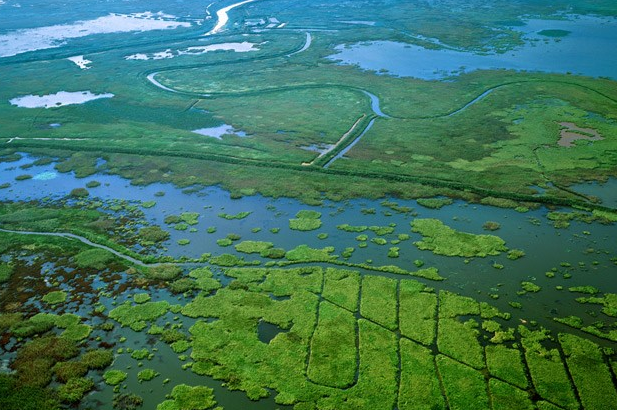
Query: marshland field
<point>283,204</point>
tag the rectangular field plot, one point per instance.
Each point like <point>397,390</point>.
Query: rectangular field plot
<point>332,361</point>
<point>504,396</point>
<point>550,378</point>
<point>465,387</point>
<point>460,341</point>
<point>591,375</point>
<point>342,287</point>
<point>419,385</point>
<point>417,312</point>
<point>379,300</point>
<point>506,364</point>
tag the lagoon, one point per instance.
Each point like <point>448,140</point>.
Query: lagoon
<point>586,47</point>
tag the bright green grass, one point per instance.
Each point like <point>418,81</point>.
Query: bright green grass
<point>342,287</point>
<point>443,240</point>
<point>589,371</point>
<point>332,361</point>
<point>378,302</point>
<point>465,387</point>
<point>417,312</point>
<point>419,387</point>
<point>506,364</point>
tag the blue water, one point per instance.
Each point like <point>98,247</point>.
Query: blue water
<point>587,50</point>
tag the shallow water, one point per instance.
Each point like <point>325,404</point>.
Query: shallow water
<point>586,50</point>
<point>545,246</point>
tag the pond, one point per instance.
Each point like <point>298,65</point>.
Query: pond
<point>578,45</point>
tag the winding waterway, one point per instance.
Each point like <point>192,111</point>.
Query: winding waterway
<point>223,17</point>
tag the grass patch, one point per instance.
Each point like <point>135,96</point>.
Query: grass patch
<point>378,301</point>
<point>443,240</point>
<point>506,364</point>
<point>253,246</point>
<point>240,215</point>
<point>419,385</point>
<point>434,203</point>
<point>332,361</point>
<point>547,370</point>
<point>417,312</point>
<point>342,287</point>
<point>55,297</point>
<point>465,387</point>
<point>507,397</point>
<point>114,377</point>
<point>589,371</point>
<point>185,397</point>
<point>460,341</point>
<point>136,316</point>
<point>146,375</point>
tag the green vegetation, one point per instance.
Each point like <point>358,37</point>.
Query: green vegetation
<point>153,234</point>
<point>443,240</point>
<point>94,259</point>
<point>332,360</point>
<point>547,370</point>
<point>417,310</point>
<point>97,359</point>
<point>589,371</point>
<point>141,354</point>
<point>506,364</point>
<point>303,253</point>
<point>465,387</point>
<point>114,377</point>
<point>55,297</point>
<point>530,287</point>
<point>434,203</point>
<point>185,397</point>
<point>254,247</point>
<point>491,226</point>
<point>379,301</point>
<point>507,397</point>
<point>5,272</point>
<point>240,215</point>
<point>460,341</point>
<point>140,298</point>
<point>136,316</point>
<point>146,375</point>
<point>75,389</point>
<point>514,254</point>
<point>419,387</point>
<point>306,221</point>
<point>163,272</point>
<point>342,288</point>
<point>350,228</point>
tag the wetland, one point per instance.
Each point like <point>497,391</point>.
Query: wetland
<point>284,205</point>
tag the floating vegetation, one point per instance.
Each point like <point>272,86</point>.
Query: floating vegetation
<point>185,397</point>
<point>240,215</point>
<point>443,240</point>
<point>136,316</point>
<point>350,228</point>
<point>530,287</point>
<point>306,221</point>
<point>514,254</point>
<point>434,203</point>
<point>253,246</point>
<point>491,226</point>
<point>114,377</point>
<point>55,297</point>
<point>146,375</point>
<point>303,253</point>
